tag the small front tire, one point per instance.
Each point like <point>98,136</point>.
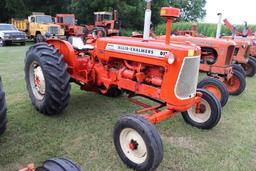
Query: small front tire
<point>239,68</point>
<point>138,143</point>
<point>250,68</point>
<point>217,88</point>
<point>209,112</point>
<point>236,84</point>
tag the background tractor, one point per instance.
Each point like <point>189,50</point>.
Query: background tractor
<point>105,24</point>
<point>68,23</point>
<point>163,72</point>
<point>3,110</point>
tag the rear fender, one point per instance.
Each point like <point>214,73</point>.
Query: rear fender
<point>66,49</point>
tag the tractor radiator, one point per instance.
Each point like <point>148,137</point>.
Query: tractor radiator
<point>186,84</point>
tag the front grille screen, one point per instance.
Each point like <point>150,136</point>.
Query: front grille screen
<point>188,78</point>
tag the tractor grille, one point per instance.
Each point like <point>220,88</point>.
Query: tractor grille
<point>187,81</point>
<point>53,30</point>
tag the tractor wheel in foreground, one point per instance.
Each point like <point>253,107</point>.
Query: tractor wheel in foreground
<point>138,143</point>
<point>3,110</point>
<point>47,79</point>
<point>250,68</point>
<point>239,68</point>
<point>58,164</point>
<point>209,113</point>
<point>236,84</point>
<point>217,88</point>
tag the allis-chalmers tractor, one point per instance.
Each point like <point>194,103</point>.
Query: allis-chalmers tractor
<point>68,23</point>
<point>164,72</point>
<point>249,63</point>
<point>3,110</point>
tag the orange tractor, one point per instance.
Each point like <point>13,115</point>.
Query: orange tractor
<point>3,110</point>
<point>249,62</point>
<point>106,24</point>
<point>164,72</point>
<point>68,23</point>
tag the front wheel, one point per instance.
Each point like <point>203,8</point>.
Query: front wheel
<point>205,115</point>
<point>138,143</point>
<point>236,84</point>
<point>47,79</point>
<point>217,88</point>
<point>250,68</point>
<point>239,68</point>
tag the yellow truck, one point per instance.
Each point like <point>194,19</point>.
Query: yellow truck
<point>38,26</point>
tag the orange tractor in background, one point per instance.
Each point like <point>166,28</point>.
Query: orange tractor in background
<point>164,72</point>
<point>249,64</point>
<point>106,24</point>
<point>68,23</point>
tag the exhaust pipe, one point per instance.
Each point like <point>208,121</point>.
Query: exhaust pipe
<point>147,21</point>
<point>218,33</point>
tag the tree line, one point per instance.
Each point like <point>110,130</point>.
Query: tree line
<point>131,12</point>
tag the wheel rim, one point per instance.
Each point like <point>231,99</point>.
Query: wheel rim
<point>133,145</point>
<point>233,84</point>
<point>204,114</point>
<point>37,80</point>
<point>214,90</point>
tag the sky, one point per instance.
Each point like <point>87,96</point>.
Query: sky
<point>236,11</point>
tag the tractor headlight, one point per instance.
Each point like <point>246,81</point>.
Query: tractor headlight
<point>171,58</point>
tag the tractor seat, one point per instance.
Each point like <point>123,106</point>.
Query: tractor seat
<point>78,44</point>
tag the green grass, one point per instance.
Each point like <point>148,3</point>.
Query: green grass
<point>84,131</point>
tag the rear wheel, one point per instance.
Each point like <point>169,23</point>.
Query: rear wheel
<point>138,143</point>
<point>3,110</point>
<point>47,79</point>
<point>217,88</point>
<point>207,114</point>
<point>239,68</point>
<point>250,68</point>
<point>236,84</point>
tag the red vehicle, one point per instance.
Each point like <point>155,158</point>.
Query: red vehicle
<point>244,48</point>
<point>164,72</point>
<point>106,24</point>
<point>68,22</point>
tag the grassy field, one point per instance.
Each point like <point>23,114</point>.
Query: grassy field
<point>84,131</point>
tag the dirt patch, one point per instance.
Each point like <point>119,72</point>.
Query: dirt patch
<point>184,142</point>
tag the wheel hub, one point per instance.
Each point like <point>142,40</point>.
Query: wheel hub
<point>200,113</point>
<point>39,80</point>
<point>133,145</point>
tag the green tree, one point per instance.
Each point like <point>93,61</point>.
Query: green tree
<point>191,10</point>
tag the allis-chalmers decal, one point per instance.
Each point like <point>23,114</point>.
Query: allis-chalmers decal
<point>137,50</point>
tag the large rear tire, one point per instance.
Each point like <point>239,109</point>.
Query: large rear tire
<point>217,88</point>
<point>47,79</point>
<point>250,68</point>
<point>236,84</point>
<point>3,110</point>
<point>209,114</point>
<point>138,143</point>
